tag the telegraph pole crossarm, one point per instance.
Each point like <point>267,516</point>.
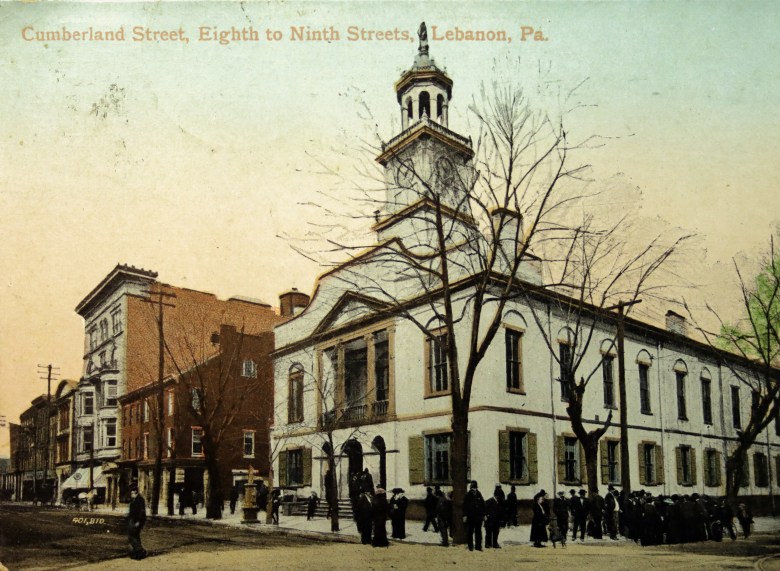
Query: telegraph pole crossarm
<point>625,465</point>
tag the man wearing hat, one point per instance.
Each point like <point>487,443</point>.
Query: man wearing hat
<point>579,510</point>
<point>430,510</point>
<point>136,518</point>
<point>561,512</point>
<point>474,513</point>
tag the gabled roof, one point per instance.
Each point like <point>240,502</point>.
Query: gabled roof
<point>348,299</point>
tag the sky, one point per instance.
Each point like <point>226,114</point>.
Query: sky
<point>195,159</point>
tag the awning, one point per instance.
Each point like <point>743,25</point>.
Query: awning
<point>80,479</point>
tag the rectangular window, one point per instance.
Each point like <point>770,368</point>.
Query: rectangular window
<point>295,467</point>
<point>761,469</point>
<point>86,439</point>
<point>682,413</point>
<point>649,458</point>
<point>706,400</point>
<point>196,400</point>
<point>89,403</point>
<point>735,416</point>
<point>110,389</point>
<point>249,369</point>
<point>295,402</point>
<point>249,444</point>
<point>111,433</point>
<point>355,372</point>
<point>571,459</point>
<point>607,371</point>
<point>170,403</point>
<point>437,458</point>
<point>382,365</point>
<point>93,340</point>
<point>197,441</point>
<point>170,441</point>
<point>565,362</point>
<point>518,456</point>
<point>514,361</point>
<point>686,473</point>
<point>438,372</point>
<point>613,461</point>
<point>116,322</point>
<point>146,411</point>
<point>644,389</point>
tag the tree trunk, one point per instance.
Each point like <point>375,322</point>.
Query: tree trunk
<point>332,494</point>
<point>733,464</point>
<point>591,449</point>
<point>215,501</point>
<point>459,474</point>
<point>269,504</point>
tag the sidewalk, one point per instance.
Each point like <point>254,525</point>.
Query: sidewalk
<point>414,534</point>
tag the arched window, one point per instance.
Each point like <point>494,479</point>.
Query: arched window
<point>409,110</point>
<point>439,106</point>
<point>425,104</point>
<point>644,360</point>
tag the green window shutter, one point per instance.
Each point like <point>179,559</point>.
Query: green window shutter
<point>659,459</point>
<point>678,458</point>
<point>642,468</point>
<point>693,466</point>
<point>503,456</point>
<point>307,466</point>
<point>533,464</point>
<point>604,462</point>
<point>283,468</point>
<point>560,457</point>
<point>583,467</point>
<point>718,480</point>
<point>416,460</point>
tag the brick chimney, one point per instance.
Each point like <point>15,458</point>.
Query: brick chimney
<point>293,302</point>
<point>676,323</point>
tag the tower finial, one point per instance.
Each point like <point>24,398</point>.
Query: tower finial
<point>422,33</point>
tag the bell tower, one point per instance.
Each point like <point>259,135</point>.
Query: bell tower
<point>426,161</point>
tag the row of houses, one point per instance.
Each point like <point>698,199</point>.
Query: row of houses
<point>357,377</point>
<point>100,432</point>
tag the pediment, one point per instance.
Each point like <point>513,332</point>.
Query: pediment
<point>350,307</point>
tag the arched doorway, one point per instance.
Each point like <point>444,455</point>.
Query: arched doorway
<point>353,450</point>
<point>378,444</point>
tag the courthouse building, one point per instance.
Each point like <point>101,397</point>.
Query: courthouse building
<point>352,368</point>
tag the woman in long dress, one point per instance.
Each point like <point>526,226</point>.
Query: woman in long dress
<point>380,511</point>
<point>539,521</point>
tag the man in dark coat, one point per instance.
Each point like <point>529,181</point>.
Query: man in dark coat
<point>539,520</point>
<point>136,518</point>
<point>511,508</point>
<point>364,517</point>
<point>597,513</point>
<point>579,509</point>
<point>430,509</point>
<point>261,496</point>
<point>474,513</point>
<point>493,520</point>
<point>610,512</point>
<point>444,517</point>
<point>233,498</point>
<point>379,509</point>
<point>311,505</point>
<point>561,511</point>
<point>398,504</point>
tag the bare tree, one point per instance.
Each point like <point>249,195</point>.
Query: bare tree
<point>750,349</point>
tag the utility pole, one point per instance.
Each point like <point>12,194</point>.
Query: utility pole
<point>625,465</point>
<point>48,371</point>
<point>161,296</point>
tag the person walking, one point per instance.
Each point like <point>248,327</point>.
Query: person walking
<point>745,518</point>
<point>597,513</point>
<point>233,498</point>
<point>136,519</point>
<point>579,508</point>
<point>610,512</point>
<point>539,520</point>
<point>364,516</point>
<point>276,502</point>
<point>511,508</point>
<point>430,502</point>
<point>474,513</point>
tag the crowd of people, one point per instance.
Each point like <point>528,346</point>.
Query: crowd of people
<point>640,516</point>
